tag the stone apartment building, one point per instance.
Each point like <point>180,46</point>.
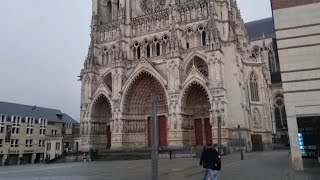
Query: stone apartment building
<point>198,57</point>
<point>68,141</point>
<point>26,131</point>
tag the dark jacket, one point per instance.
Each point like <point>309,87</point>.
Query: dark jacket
<point>210,159</point>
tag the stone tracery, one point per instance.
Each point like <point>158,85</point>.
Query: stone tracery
<point>200,64</point>
<point>136,101</point>
<point>195,101</point>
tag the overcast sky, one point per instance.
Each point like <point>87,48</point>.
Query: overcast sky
<point>43,44</point>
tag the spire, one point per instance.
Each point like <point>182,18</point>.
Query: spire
<point>90,57</point>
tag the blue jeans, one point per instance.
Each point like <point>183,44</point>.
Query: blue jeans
<point>210,174</point>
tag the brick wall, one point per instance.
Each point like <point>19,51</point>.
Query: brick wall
<point>280,4</point>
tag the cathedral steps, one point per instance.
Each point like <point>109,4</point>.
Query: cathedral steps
<point>136,154</point>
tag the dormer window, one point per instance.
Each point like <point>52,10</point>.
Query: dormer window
<point>60,116</point>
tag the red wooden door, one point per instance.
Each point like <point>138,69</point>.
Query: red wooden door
<point>108,137</point>
<point>257,144</point>
<point>198,131</point>
<point>208,129</point>
<point>162,131</point>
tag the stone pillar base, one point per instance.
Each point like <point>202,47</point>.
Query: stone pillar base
<point>129,140</point>
<point>296,163</point>
<point>181,138</point>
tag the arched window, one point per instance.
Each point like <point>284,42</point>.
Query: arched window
<point>148,50</point>
<point>104,58</point>
<point>158,49</point>
<point>280,113</point>
<point>188,35</point>
<point>109,12</point>
<point>204,38</point>
<point>254,88</point>
<point>164,44</point>
<point>138,52</point>
<point>134,53</point>
<point>111,53</point>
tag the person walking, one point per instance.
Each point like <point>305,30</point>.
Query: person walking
<point>210,160</point>
<point>84,157</point>
<point>170,154</point>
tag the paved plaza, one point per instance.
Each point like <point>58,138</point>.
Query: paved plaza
<point>266,165</point>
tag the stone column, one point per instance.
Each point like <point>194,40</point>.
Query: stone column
<point>204,134</point>
<point>212,72</point>
<point>128,11</point>
<point>114,10</point>
<point>218,72</point>
<point>174,75</point>
<point>296,157</point>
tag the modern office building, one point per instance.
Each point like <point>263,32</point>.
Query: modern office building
<point>297,27</point>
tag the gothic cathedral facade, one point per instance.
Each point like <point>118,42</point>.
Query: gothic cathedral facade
<point>194,55</point>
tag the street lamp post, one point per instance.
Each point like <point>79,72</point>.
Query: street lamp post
<point>240,146</point>
<point>219,134</point>
<point>154,135</point>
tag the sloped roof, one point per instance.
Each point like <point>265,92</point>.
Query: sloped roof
<point>52,115</point>
<point>256,29</point>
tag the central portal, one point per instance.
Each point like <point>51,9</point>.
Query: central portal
<point>137,110</point>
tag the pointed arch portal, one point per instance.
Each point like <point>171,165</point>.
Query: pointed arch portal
<point>196,116</point>
<point>100,123</point>
<point>136,108</point>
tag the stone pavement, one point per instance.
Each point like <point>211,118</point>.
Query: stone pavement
<point>266,165</point>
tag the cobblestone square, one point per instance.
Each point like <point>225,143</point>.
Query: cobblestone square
<point>266,165</point>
